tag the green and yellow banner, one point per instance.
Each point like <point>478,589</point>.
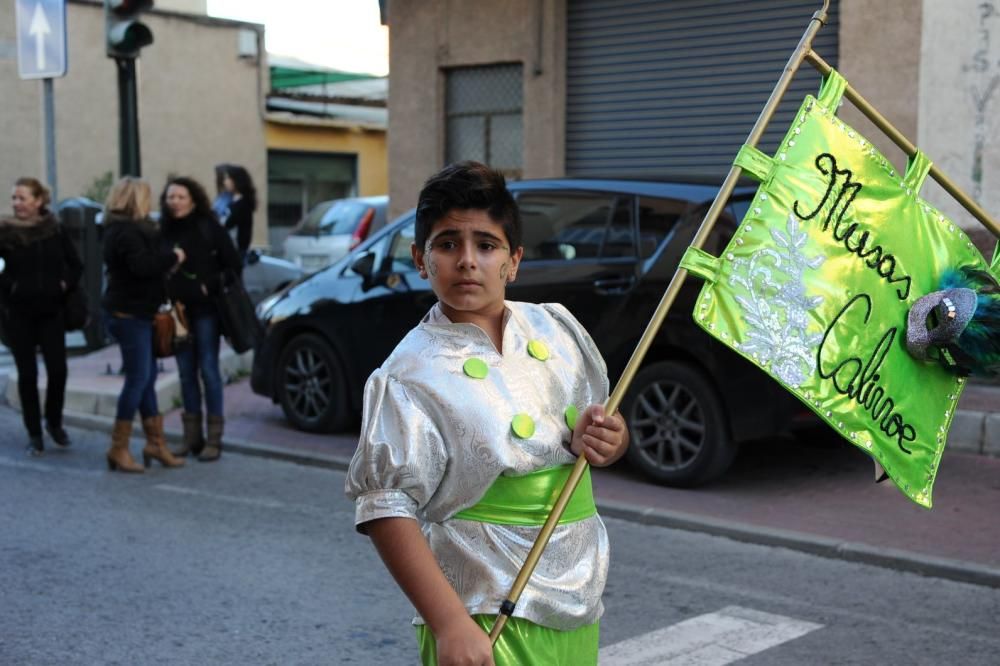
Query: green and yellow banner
<point>816,284</point>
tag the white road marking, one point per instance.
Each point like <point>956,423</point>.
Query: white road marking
<point>707,640</point>
<point>247,501</point>
<point>37,465</point>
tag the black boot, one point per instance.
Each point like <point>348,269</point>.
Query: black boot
<point>35,447</point>
<point>59,435</point>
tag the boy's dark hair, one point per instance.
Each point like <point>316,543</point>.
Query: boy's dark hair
<point>462,186</point>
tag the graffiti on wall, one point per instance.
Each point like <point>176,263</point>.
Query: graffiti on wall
<point>985,75</point>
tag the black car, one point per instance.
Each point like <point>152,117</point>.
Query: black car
<point>606,249</point>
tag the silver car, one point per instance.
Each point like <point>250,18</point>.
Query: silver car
<point>263,275</point>
<point>332,229</point>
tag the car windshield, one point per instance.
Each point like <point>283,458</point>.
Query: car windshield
<point>333,217</point>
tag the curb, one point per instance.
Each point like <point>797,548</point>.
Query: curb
<point>924,565</point>
<point>900,560</point>
<point>230,444</point>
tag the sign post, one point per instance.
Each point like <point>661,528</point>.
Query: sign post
<point>41,54</point>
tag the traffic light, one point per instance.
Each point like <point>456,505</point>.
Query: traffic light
<point>125,34</point>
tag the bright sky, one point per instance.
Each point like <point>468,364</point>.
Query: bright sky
<point>343,34</point>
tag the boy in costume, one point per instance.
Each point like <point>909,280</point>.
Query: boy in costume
<point>469,431</point>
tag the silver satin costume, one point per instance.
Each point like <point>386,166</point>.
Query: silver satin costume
<point>433,440</point>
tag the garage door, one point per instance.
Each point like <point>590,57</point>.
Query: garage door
<point>674,86</point>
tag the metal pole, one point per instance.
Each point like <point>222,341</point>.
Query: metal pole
<point>611,406</point>
<point>128,118</point>
<point>49,111</point>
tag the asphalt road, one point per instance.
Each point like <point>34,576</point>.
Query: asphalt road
<point>255,561</point>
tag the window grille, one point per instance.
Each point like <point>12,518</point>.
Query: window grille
<point>484,116</point>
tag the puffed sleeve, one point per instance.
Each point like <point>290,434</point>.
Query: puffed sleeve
<point>401,457</point>
<point>594,369</point>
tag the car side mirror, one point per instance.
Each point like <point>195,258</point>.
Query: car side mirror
<point>364,265</point>
<point>253,256</point>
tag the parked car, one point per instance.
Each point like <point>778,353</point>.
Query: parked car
<point>263,274</point>
<point>606,249</point>
<point>332,229</point>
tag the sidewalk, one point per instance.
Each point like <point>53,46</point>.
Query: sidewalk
<point>817,496</point>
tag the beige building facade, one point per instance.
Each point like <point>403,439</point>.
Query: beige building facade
<point>932,68</point>
<point>333,138</point>
<point>426,38</point>
<point>201,91</point>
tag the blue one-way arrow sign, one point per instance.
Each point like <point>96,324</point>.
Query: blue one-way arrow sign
<point>41,38</point>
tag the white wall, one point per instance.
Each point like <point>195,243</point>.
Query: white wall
<point>959,101</point>
<point>188,6</point>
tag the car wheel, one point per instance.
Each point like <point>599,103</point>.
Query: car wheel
<point>310,385</point>
<point>677,427</point>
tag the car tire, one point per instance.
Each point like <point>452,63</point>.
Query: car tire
<point>677,426</point>
<point>310,385</point>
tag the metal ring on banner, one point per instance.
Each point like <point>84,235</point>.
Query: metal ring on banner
<point>832,91</point>
<point>917,168</point>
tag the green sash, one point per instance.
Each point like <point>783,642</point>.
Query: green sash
<point>528,499</point>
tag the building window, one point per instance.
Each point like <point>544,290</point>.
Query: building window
<point>297,181</point>
<point>484,123</point>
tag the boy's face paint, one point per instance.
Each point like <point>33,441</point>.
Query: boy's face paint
<point>469,262</point>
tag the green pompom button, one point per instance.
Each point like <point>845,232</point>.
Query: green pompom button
<point>571,415</point>
<point>538,350</point>
<point>476,368</point>
<point>523,426</point>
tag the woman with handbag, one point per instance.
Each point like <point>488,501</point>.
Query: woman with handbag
<point>188,222</point>
<point>40,267</point>
<point>137,266</point>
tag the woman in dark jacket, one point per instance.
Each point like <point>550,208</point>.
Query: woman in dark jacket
<point>236,182</point>
<point>40,267</point>
<point>188,222</point>
<point>137,265</point>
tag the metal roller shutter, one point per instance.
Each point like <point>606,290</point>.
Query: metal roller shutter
<point>674,86</point>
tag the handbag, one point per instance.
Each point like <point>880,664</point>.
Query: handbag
<point>76,314</point>
<point>237,315</point>
<point>170,329</point>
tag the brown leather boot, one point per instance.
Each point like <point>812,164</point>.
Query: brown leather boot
<point>156,444</point>
<point>213,440</point>
<point>118,456</point>
<point>194,441</point>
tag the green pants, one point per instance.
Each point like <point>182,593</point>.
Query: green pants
<point>523,643</point>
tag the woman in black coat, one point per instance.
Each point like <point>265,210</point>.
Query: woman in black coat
<point>40,267</point>
<point>137,266</point>
<point>187,222</point>
<point>242,194</point>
